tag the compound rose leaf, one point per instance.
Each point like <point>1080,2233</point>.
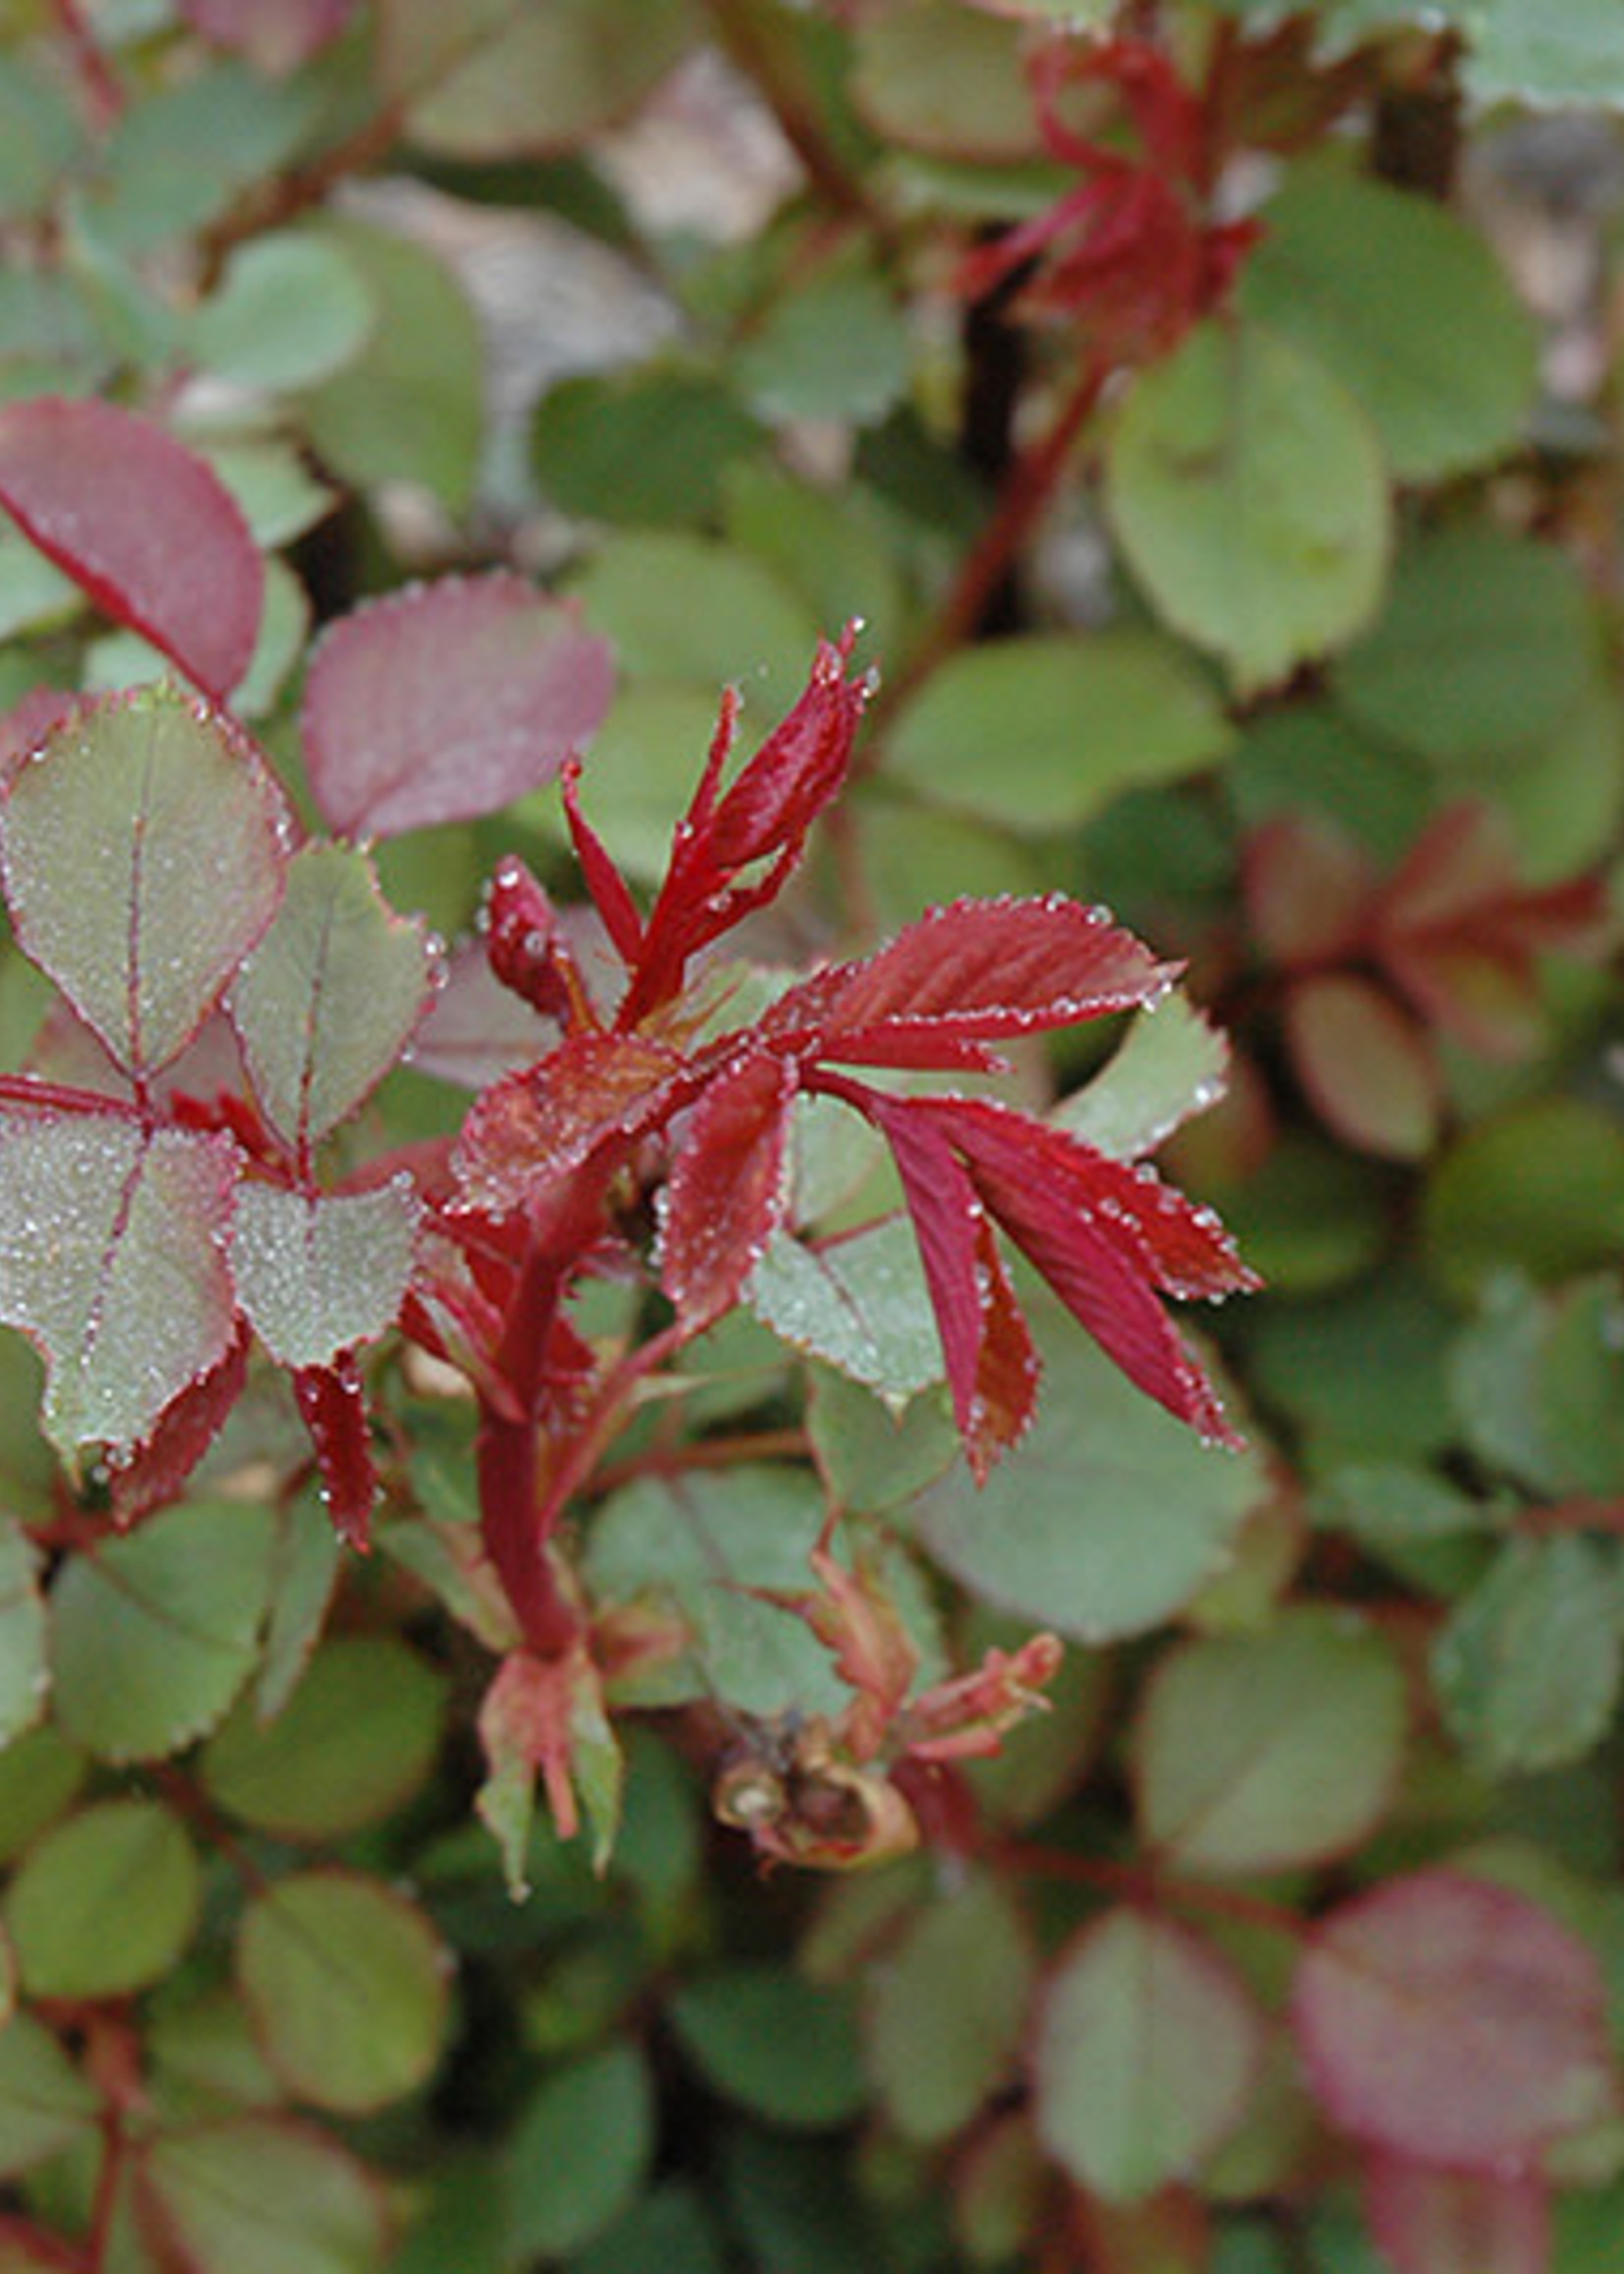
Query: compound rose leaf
<point>726,1196</point>
<point>447,700</point>
<point>104,831</point>
<point>145,527</point>
<point>331,994</point>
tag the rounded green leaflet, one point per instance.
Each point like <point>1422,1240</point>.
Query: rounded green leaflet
<point>939,78</point>
<point>262,2196</point>
<point>1408,306</point>
<point>41,1775</point>
<point>1249,494</point>
<point>317,1273</point>
<point>330,996</point>
<point>46,2103</point>
<point>838,348</point>
<point>290,310</point>
<point>154,1634</point>
<point>1105,1519</point>
<point>638,591</point>
<point>359,1734</point>
<point>1270,1751</point>
<point>1527,1666</point>
<point>1147,2055</point>
<point>781,2047</point>
<point>1037,733</point>
<point>1540,1189</point>
<point>101,866</point>
<point>123,1860</point>
<point>648,446</point>
<point>23,1677</point>
<point>945,2009</point>
<point>348,1987</point>
<point>1487,646</point>
<point>578,2156</point>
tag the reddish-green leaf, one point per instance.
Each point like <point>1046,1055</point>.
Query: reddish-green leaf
<point>1309,889</point>
<point>1446,2018</point>
<point>105,835</point>
<point>445,701</point>
<point>149,532</point>
<point>1147,2051</point>
<point>347,1985</point>
<point>726,1196</point>
<point>274,35</point>
<point>330,996</point>
<point>1433,2221</point>
<point>529,1130</point>
<point>317,1273</point>
<point>1365,1066</point>
<point>258,2196</point>
<point>113,1262</point>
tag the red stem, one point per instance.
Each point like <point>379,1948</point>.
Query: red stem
<point>1142,1884</point>
<point>103,93</point>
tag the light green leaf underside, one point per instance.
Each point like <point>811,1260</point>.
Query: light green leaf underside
<point>319,1274</point>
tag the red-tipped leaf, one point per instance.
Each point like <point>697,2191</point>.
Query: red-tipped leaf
<point>726,1196</point>
<point>146,529</point>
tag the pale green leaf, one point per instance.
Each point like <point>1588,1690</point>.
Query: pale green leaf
<point>638,590</point>
<point>319,1274</point>
<point>46,2104</point>
<point>1171,1065</point>
<point>1250,496</point>
<point>834,347</point>
<point>330,996</point>
<point>127,1860</point>
<point>289,310</point>
<point>1528,1667</point>
<point>860,1305</point>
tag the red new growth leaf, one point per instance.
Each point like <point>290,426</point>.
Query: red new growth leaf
<point>527,950</point>
<point>447,700</point>
<point>332,1405</point>
<point>153,1474</point>
<point>534,1127</point>
<point>725,1197</point>
<point>149,531</point>
<point>1449,2020</point>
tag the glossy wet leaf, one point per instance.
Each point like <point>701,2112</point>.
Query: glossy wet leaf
<point>142,524</point>
<point>111,1263</point>
<point>1249,496</point>
<point>1409,307</point>
<point>1146,2053</point>
<point>784,2048</point>
<point>1171,1065</point>
<point>578,2155</point>
<point>1268,1752</point>
<point>1105,1519</point>
<point>860,1305</point>
<point>1528,1666</point>
<point>320,1274</point>
<point>1443,2018</point>
<point>100,866</point>
<point>1037,733</point>
<point>256,2195</point>
<point>946,2011</point>
<point>448,700</point>
<point>154,1635</point>
<point>359,1734</point>
<point>128,1860</point>
<point>347,1985</point>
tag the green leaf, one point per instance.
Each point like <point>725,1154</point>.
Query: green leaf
<point>1250,499</point>
<point>290,309</point>
<point>937,79</point>
<point>41,1775</point>
<point>154,1635</point>
<point>175,160</point>
<point>256,2196</point>
<point>835,346</point>
<point>317,1273</point>
<point>22,1633</point>
<point>127,1860</point>
<point>1147,2055</point>
<point>1527,1669</point>
<point>35,595</point>
<point>486,82</point>
<point>330,996</point>
<point>1037,733</point>
<point>1525,51</point>
<point>1269,1752</point>
<point>859,1303</point>
<point>284,631</point>
<point>100,866</point>
<point>638,591</point>
<point>408,408</point>
<point>1307,754</point>
<point>946,2011</point>
<point>671,2228</point>
<point>40,134</point>
<point>870,1456</point>
<point>782,2048</point>
<point>1540,1189</point>
<point>347,1984</point>
<point>829,546</point>
<point>45,2104</point>
<point>358,1736</point>
<point>1170,1066</point>
<point>277,494</point>
<point>304,1571</point>
<point>111,1263</point>
<point>696,1548</point>
<point>1105,1519</point>
<point>640,774</point>
<point>648,446</point>
<point>1487,643</point>
<point>579,2153</point>
<point>1409,307</point>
